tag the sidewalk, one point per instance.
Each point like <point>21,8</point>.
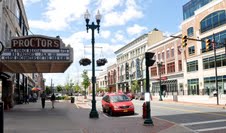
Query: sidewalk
<point>190,99</point>
<point>67,118</point>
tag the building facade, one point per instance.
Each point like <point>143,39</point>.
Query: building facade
<point>130,61</point>
<point>168,69</point>
<point>112,77</point>
<point>207,21</point>
<point>13,23</point>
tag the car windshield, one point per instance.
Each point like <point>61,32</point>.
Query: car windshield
<point>119,98</point>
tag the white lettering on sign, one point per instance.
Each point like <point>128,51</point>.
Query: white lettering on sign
<point>36,54</point>
<point>35,42</point>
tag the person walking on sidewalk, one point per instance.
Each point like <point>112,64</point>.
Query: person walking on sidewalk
<point>53,98</point>
<point>43,98</point>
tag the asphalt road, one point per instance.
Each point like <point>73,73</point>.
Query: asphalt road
<point>199,118</point>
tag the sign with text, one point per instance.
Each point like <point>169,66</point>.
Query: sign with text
<point>36,54</point>
<point>35,42</point>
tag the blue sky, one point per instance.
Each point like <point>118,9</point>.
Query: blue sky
<point>122,21</point>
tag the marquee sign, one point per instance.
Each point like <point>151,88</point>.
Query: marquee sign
<point>36,54</point>
<point>35,42</point>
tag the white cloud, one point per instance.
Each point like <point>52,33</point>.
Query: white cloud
<point>27,2</point>
<point>136,29</point>
<point>59,14</point>
<point>120,18</point>
<point>108,5</point>
<point>118,37</point>
<point>105,34</point>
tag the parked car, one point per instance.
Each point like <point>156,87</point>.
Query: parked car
<point>114,103</point>
<point>139,96</point>
<point>130,95</point>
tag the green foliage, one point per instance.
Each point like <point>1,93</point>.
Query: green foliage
<point>48,90</point>
<point>135,86</point>
<point>69,84</point>
<point>85,82</point>
<point>59,88</point>
<point>77,88</point>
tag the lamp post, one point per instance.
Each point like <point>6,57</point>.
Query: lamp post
<point>93,113</point>
<point>159,63</point>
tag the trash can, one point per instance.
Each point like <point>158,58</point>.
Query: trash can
<point>72,99</point>
<point>144,110</point>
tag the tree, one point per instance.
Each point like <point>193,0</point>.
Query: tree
<point>135,86</point>
<point>69,84</point>
<point>48,90</point>
<point>59,88</point>
<point>77,88</point>
<point>85,82</point>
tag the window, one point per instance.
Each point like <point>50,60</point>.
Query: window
<point>219,37</point>
<point>163,56</point>
<point>159,56</point>
<point>213,20</point>
<point>192,66</point>
<point>191,50</point>
<point>167,53</point>
<point>179,65</point>
<point>163,69</point>
<point>154,71</point>
<point>209,62</point>
<point>179,50</point>
<point>170,67</point>
<point>172,52</point>
<point>190,31</point>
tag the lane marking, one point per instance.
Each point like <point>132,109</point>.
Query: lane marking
<point>210,129</point>
<point>202,122</point>
<point>194,111</point>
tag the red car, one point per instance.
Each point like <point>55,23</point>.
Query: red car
<point>117,104</point>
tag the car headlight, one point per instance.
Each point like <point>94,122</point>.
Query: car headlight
<point>116,107</point>
<point>131,106</point>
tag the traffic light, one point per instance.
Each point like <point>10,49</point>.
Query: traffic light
<point>208,43</point>
<point>148,58</point>
<point>184,41</point>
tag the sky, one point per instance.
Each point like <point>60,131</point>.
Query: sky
<point>122,21</point>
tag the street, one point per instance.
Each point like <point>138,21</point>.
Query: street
<point>197,117</point>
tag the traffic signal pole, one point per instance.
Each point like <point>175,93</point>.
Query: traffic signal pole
<point>148,62</point>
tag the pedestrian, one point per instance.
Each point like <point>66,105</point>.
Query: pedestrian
<point>53,98</point>
<point>43,98</point>
<point>26,99</point>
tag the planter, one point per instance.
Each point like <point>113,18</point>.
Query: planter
<point>85,61</point>
<point>101,62</point>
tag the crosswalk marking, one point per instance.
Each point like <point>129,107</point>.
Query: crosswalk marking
<point>202,122</point>
<point>210,129</point>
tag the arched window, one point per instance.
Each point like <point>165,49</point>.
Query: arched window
<point>213,20</point>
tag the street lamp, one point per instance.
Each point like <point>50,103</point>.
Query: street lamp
<point>93,113</point>
<point>159,63</point>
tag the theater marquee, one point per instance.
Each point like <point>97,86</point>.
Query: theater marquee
<point>36,53</point>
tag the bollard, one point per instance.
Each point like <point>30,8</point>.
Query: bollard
<point>1,117</point>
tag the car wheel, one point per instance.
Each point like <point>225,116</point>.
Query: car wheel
<point>104,110</point>
<point>110,112</point>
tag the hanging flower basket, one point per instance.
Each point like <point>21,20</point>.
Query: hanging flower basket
<point>85,61</point>
<point>101,62</point>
